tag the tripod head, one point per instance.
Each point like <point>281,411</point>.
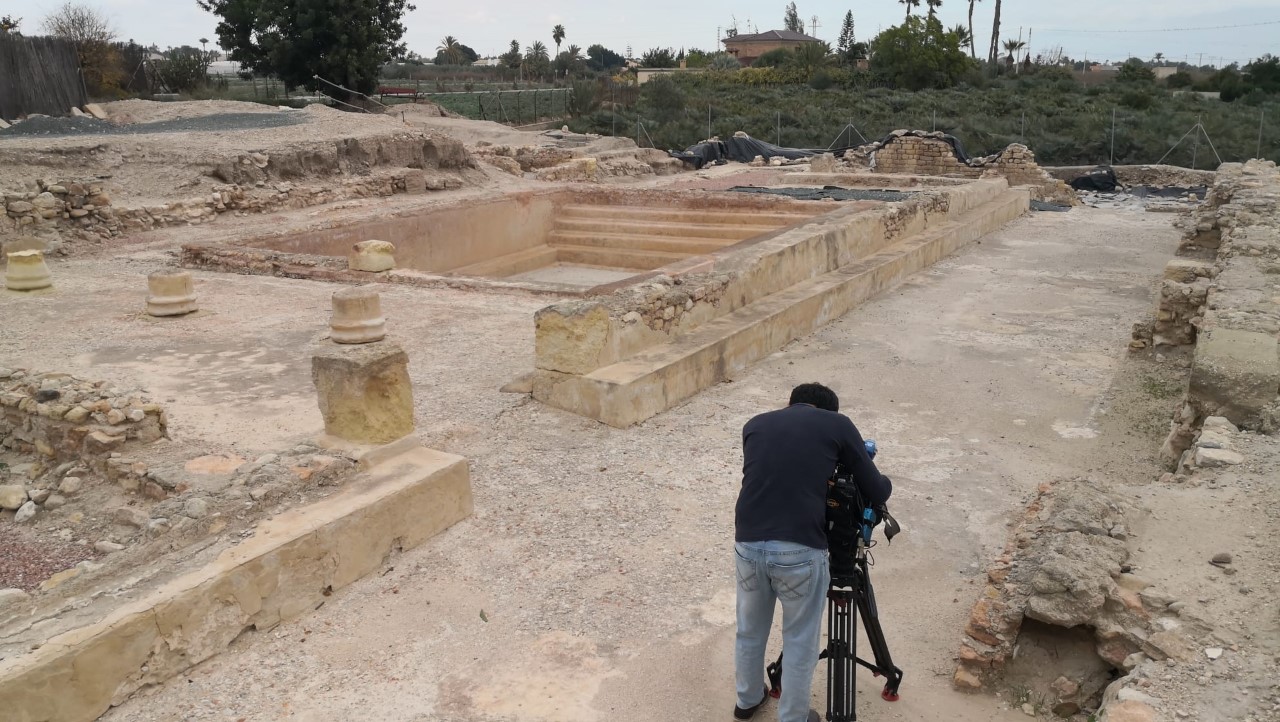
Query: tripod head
<point>850,524</point>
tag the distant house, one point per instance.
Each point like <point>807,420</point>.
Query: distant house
<point>746,48</point>
<point>1165,71</point>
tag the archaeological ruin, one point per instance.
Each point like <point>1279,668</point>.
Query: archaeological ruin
<point>397,415</point>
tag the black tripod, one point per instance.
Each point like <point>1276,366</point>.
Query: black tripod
<point>850,587</point>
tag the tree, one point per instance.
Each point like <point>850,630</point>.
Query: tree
<point>557,35</point>
<point>846,34</point>
<point>995,38</point>
<point>568,61</point>
<point>973,52</point>
<point>791,19</point>
<point>919,54</point>
<point>536,59</point>
<point>1134,71</point>
<point>665,98</point>
<point>1159,58</point>
<point>1264,73</point>
<point>93,36</point>
<point>811,57</point>
<point>1013,48</point>
<point>723,62</point>
<point>601,58</point>
<point>344,43</point>
<point>911,4</point>
<point>659,58</point>
<point>450,50</point>
<point>963,36</point>
<point>933,7</point>
<point>512,58</point>
<point>461,54</point>
<point>9,24</point>
<point>184,69</point>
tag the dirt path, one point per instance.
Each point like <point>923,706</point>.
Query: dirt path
<point>593,582</point>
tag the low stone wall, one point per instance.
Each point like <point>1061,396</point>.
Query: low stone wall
<point>252,183</point>
<point>64,419</point>
<point>1220,296</point>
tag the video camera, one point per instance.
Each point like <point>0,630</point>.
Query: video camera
<point>850,522</point>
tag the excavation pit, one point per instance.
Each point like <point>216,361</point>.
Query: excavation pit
<point>572,242</point>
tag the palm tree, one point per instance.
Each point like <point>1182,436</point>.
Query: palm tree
<point>1013,47</point>
<point>933,7</point>
<point>557,34</point>
<point>911,4</point>
<point>811,57</point>
<point>963,36</point>
<point>573,53</point>
<point>1159,58</point>
<point>992,55</point>
<point>973,52</point>
<point>535,56</point>
<point>451,50</point>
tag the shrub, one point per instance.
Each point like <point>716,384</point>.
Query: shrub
<point>821,80</point>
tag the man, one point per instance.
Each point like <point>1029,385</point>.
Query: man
<point>780,545</point>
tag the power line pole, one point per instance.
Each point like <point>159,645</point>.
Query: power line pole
<point>814,22</point>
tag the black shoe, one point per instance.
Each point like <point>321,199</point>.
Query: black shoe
<point>749,712</point>
<point>814,716</point>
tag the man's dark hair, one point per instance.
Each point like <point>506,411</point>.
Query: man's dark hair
<point>815,395</point>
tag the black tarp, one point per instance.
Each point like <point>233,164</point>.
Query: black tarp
<point>1102,178</point>
<point>832,192</point>
<point>744,149</point>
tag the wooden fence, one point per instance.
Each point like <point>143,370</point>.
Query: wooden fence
<point>39,75</point>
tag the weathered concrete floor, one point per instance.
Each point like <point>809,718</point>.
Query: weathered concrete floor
<point>594,581</point>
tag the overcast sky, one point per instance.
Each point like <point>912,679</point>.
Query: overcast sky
<point>1097,29</point>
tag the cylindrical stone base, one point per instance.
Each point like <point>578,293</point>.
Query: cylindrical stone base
<point>170,293</point>
<point>364,392</point>
<point>357,316</point>
<point>27,271</point>
<point>372,256</point>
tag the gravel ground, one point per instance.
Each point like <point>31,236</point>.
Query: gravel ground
<point>598,555</point>
<point>221,122</point>
<point>26,559</point>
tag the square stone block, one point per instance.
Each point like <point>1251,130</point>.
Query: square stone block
<point>364,392</point>
<point>1236,374</point>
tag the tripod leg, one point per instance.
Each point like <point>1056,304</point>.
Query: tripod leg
<point>840,657</point>
<point>875,638</point>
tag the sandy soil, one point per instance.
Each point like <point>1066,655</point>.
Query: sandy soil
<point>599,556</point>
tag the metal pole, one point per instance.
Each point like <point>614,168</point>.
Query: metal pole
<point>1195,143</point>
<point>779,127</point>
<point>708,121</point>
<point>935,120</point>
<point>613,108</point>
<point>637,131</point>
<point>1113,137</point>
<point>1258,153</point>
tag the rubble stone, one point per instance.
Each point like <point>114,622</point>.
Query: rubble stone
<point>372,256</point>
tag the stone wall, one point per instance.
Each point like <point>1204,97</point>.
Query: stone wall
<point>921,153</point>
<point>1065,565</point>
<point>1220,295</point>
<point>64,419</point>
<point>251,183</point>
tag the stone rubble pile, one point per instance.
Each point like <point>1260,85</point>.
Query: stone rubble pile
<point>1222,294</point>
<point>549,163</point>
<point>930,153</point>
<point>1066,564</point>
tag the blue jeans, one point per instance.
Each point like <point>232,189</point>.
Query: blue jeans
<point>798,576</point>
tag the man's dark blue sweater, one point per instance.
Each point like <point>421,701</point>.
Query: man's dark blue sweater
<point>788,456</point>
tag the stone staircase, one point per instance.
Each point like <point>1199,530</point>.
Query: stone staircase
<point>661,376</point>
<point>645,238</point>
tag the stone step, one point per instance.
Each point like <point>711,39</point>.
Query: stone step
<point>726,216</point>
<point>657,379</point>
<point>734,232</point>
<point>630,259</point>
<point>509,264</point>
<point>637,242</point>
